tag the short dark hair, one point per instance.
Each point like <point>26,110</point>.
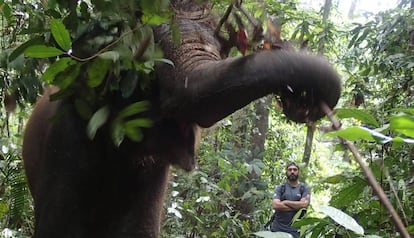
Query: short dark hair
<point>292,164</point>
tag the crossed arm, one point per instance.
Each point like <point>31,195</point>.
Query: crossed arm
<point>287,205</point>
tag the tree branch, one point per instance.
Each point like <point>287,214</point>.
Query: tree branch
<point>370,176</point>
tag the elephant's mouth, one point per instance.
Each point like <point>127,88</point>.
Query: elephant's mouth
<point>300,105</point>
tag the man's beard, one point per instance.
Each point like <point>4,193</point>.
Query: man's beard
<point>292,177</point>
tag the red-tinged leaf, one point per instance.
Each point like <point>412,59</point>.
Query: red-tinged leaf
<point>242,42</point>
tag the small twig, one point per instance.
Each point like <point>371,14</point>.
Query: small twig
<point>105,48</point>
<point>223,19</point>
<point>396,198</point>
<point>370,176</point>
<point>251,19</point>
<point>142,48</point>
<point>335,123</point>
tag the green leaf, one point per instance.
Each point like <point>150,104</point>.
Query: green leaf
<point>117,132</point>
<point>139,123</point>
<point>308,221</point>
<point>402,140</point>
<point>83,109</point>
<point>19,50</point>
<point>60,34</point>
<point>61,94</point>
<point>67,77</point>
<point>357,114</point>
<point>132,128</point>
<point>98,119</point>
<point>403,124</point>
<point>349,194</point>
<point>128,83</point>
<point>342,219</point>
<point>110,55</point>
<point>134,108</point>
<point>335,179</point>
<point>133,133</point>
<point>360,133</point>
<point>410,228</point>
<point>42,51</point>
<point>6,11</point>
<point>318,230</point>
<point>269,234</point>
<point>97,71</point>
<point>154,19</point>
<point>3,208</point>
<point>57,67</point>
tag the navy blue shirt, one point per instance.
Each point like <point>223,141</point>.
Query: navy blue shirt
<point>283,219</point>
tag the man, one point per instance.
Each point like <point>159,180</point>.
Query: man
<point>288,199</point>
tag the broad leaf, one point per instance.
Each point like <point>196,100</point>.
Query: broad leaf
<point>335,179</point>
<point>342,219</point>
<point>134,108</point>
<point>56,68</point>
<point>42,51</point>
<point>67,77</point>
<point>6,11</point>
<point>19,50</point>
<point>349,194</point>
<point>403,124</point>
<point>60,34</point>
<point>83,108</point>
<point>268,234</point>
<point>133,128</point>
<point>129,83</point>
<point>133,133</point>
<point>139,123</point>
<point>117,132</point>
<point>110,55</point>
<point>98,119</point>
<point>357,114</point>
<point>360,133</point>
<point>97,71</point>
<point>308,221</point>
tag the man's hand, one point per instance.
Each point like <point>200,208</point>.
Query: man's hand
<point>280,205</point>
<point>287,205</point>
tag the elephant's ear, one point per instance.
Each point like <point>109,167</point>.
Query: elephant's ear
<point>179,142</point>
<point>191,139</point>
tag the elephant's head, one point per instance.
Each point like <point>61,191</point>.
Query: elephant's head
<point>203,88</point>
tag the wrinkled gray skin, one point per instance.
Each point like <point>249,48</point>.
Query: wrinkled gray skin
<point>83,188</point>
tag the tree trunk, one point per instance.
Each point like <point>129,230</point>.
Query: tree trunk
<point>260,126</point>
<point>326,12</point>
<point>351,10</point>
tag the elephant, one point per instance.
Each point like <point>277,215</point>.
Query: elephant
<point>86,187</point>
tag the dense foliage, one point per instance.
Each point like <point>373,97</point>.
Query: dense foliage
<point>229,194</point>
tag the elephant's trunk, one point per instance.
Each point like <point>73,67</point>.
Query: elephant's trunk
<point>214,89</point>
